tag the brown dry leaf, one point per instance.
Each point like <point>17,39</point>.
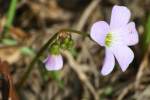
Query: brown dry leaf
<point>16,33</point>
<point>48,10</point>
<point>4,70</point>
<point>11,54</point>
<point>19,34</point>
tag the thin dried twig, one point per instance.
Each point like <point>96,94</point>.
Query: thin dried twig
<point>142,67</point>
<point>83,19</point>
<point>78,69</point>
<point>125,91</point>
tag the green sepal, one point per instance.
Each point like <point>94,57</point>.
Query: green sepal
<point>54,49</point>
<point>67,43</point>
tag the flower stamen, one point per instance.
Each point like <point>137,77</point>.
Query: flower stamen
<point>108,39</point>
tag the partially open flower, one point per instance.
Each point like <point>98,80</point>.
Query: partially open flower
<point>53,62</point>
<point>116,38</point>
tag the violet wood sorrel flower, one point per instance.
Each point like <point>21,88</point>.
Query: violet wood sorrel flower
<point>116,38</point>
<point>53,62</point>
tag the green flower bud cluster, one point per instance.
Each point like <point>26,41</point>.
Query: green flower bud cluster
<point>54,49</point>
<point>61,43</point>
<point>67,43</point>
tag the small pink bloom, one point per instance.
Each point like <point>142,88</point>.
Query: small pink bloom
<point>53,62</point>
<point>116,38</point>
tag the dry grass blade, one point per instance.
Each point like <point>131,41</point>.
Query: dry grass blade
<point>82,21</point>
<point>77,68</point>
<point>142,67</point>
<point>125,92</point>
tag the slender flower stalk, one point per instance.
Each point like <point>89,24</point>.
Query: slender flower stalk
<point>41,51</point>
<point>54,61</point>
<point>31,66</point>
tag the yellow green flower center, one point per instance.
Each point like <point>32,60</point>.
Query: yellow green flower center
<point>108,39</point>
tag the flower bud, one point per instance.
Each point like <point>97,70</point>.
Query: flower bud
<point>54,49</point>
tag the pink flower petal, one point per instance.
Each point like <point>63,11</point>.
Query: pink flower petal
<point>109,62</point>
<point>124,55</point>
<point>131,36</point>
<point>99,31</point>
<point>53,62</point>
<point>120,17</point>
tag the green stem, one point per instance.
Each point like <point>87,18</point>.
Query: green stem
<point>41,51</point>
<point>72,31</point>
<point>75,31</point>
<point>30,67</point>
<point>146,37</point>
<point>10,15</point>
